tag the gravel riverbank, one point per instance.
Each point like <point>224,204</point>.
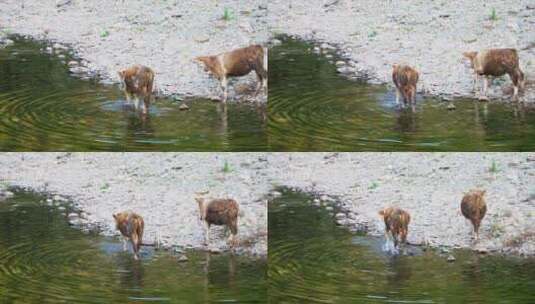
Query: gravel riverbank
<point>431,35</point>
<point>428,185</point>
<point>159,186</point>
<point>165,35</point>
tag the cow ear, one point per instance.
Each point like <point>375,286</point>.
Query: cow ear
<point>483,192</point>
<point>115,216</point>
<point>382,213</point>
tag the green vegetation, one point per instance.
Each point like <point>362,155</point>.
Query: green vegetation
<point>493,15</point>
<point>374,185</point>
<point>497,229</point>
<point>228,14</point>
<point>105,187</point>
<point>104,33</point>
<point>494,167</point>
<point>227,168</point>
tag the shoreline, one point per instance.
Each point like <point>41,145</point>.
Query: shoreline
<point>166,37</point>
<point>155,186</point>
<point>370,36</point>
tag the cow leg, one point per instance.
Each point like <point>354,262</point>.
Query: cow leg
<point>146,104</point>
<point>485,87</point>
<point>476,83</point>
<point>206,234</point>
<point>224,85</point>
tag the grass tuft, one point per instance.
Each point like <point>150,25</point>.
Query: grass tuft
<point>493,15</point>
<point>226,168</point>
<point>227,14</point>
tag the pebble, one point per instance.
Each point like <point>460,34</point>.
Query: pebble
<point>183,107</point>
<point>182,258</point>
<point>451,258</point>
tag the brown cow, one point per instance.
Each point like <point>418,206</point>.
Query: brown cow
<point>237,63</point>
<point>473,207</point>
<point>396,224</point>
<point>137,82</point>
<point>219,212</point>
<point>405,79</point>
<point>131,226</point>
<point>496,62</point>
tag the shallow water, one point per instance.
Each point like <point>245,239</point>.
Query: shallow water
<point>312,108</point>
<point>44,260</point>
<point>45,108</point>
<point>312,260</point>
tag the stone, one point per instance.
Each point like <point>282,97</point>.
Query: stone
<point>451,258</point>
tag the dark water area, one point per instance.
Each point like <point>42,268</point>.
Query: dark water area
<point>313,108</point>
<point>45,108</point>
<point>312,260</point>
<point>45,260</point>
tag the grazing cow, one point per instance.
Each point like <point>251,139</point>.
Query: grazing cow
<point>237,63</point>
<point>496,62</point>
<point>131,226</point>
<point>405,79</point>
<point>396,224</point>
<point>473,207</point>
<point>219,212</point>
<point>137,82</point>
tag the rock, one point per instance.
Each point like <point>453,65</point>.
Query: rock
<point>345,70</point>
<point>6,42</point>
<point>340,216</point>
<point>481,249</point>
<point>202,38</point>
<point>183,107</point>
<point>275,193</point>
<point>340,63</point>
<point>327,46</point>
<point>450,258</point>
<point>275,42</point>
<point>214,250</point>
<point>450,106</point>
<point>72,63</point>
<point>5,194</point>
<point>182,258</point>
